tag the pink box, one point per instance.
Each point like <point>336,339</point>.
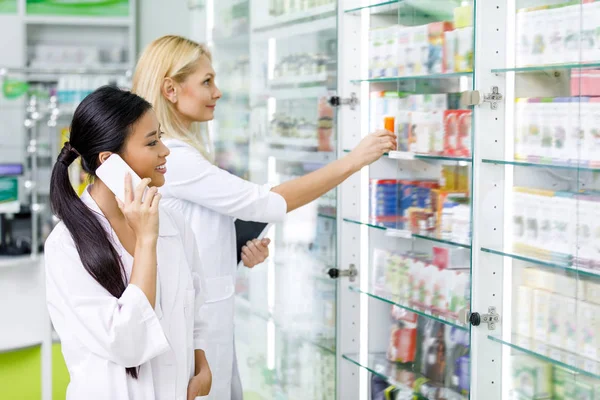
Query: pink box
<point>585,82</point>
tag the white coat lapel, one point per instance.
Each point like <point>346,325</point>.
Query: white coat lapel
<point>168,260</point>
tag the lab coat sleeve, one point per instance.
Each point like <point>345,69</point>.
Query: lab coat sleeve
<point>191,177</point>
<point>193,256</point>
<point>125,330</point>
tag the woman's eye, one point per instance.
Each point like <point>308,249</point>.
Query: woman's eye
<point>153,143</point>
<point>206,82</point>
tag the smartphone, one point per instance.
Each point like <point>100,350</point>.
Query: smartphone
<point>112,172</point>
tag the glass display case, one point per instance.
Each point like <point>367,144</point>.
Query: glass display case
<point>538,197</point>
<point>466,258</point>
<point>409,214</point>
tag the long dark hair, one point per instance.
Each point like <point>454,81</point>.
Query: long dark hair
<point>102,122</point>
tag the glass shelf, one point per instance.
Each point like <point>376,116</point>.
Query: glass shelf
<point>551,354</point>
<point>376,7</point>
<point>452,75</point>
<point>438,239</point>
<point>404,233</point>
<point>371,225</point>
<point>442,158</point>
<point>424,313</point>
<point>545,68</point>
<point>326,216</point>
<point>566,265</point>
<point>404,378</point>
<point>542,165</point>
<point>401,155</point>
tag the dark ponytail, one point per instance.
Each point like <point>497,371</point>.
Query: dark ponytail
<point>102,122</point>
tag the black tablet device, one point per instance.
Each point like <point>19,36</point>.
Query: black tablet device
<point>248,230</point>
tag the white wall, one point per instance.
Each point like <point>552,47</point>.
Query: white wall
<point>157,18</point>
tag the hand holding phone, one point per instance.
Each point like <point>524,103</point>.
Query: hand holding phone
<point>138,203</point>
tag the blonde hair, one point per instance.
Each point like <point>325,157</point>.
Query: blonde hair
<point>172,57</point>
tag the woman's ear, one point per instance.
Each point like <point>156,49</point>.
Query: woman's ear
<point>103,156</point>
<point>168,90</point>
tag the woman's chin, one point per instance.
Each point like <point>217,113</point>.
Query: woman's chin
<point>158,180</point>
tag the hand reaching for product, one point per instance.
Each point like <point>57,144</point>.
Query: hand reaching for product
<point>255,252</point>
<point>373,146</point>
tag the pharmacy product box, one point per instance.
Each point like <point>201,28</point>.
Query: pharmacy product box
<point>522,117</point>
<point>418,51</point>
<point>541,313</point>
<point>463,16</point>
<point>463,51</point>
<point>407,196</point>
<point>588,327</point>
<point>585,82</point>
<point>403,42</point>
<point>464,134</point>
<point>422,127</point>
<point>402,130</point>
<point>524,316</point>
<point>451,132</point>
<point>531,378</point>
<point>569,308</point>
<point>380,264</point>
<point>449,51</point>
<point>390,46</point>
<point>563,382</point>
<point>437,54</point>
<point>423,193</point>
<point>555,321</point>
<point>403,343</point>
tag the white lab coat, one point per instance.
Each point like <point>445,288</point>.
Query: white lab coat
<point>211,199</point>
<point>101,335</point>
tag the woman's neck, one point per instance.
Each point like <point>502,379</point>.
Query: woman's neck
<point>106,200</point>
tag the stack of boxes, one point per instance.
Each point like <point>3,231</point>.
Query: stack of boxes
<point>561,314</point>
<point>424,206</point>
<point>442,289</point>
<point>435,48</point>
<point>428,124</point>
<point>564,32</point>
<point>557,226</point>
<point>563,130</point>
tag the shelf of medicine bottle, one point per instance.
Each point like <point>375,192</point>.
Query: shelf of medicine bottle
<point>561,263</point>
<point>389,299</point>
<point>327,345</point>
<point>378,364</point>
<point>550,354</point>
<point>450,75</point>
<point>301,17</point>
<point>536,164</point>
<point>548,67</point>
<point>407,234</point>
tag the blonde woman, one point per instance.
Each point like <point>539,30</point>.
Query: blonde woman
<point>176,75</point>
